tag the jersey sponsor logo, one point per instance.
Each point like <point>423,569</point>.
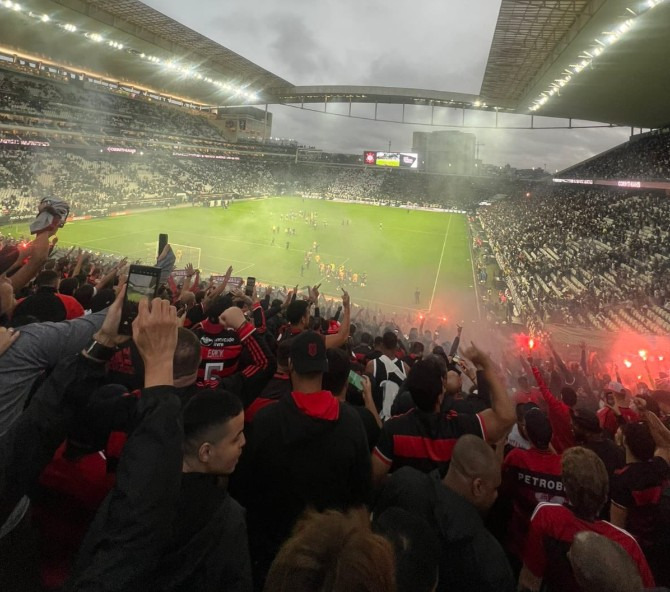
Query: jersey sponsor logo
<point>546,483</point>
<point>206,340</point>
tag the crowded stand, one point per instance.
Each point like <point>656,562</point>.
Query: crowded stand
<point>221,437</point>
<point>585,257</point>
<point>645,157</point>
<point>192,433</point>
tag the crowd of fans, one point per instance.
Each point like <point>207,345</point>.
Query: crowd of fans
<point>645,157</point>
<point>587,257</point>
<point>245,439</point>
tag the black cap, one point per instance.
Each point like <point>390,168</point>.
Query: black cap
<point>308,353</point>
<point>586,419</point>
<point>538,428</point>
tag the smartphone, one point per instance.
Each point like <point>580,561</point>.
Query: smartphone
<point>249,289</point>
<point>355,380</point>
<point>142,283</point>
<point>162,241</point>
<point>456,358</point>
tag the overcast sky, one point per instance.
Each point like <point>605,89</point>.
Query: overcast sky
<point>430,44</point>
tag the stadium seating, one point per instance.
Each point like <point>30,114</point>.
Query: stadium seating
<point>644,157</point>
<point>597,258</point>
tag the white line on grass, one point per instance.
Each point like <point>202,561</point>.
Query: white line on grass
<point>439,267</point>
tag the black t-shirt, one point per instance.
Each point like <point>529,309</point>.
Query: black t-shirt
<point>638,488</point>
<point>195,315</point>
<point>372,430</point>
<point>612,455</point>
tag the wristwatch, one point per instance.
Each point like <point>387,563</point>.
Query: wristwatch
<point>98,352</point>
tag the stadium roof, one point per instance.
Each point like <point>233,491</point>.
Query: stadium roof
<point>591,60</point>
<point>596,60</point>
<point>140,30</point>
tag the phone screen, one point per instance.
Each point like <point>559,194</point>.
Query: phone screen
<point>141,286</point>
<point>355,380</point>
<point>142,283</point>
<point>251,282</point>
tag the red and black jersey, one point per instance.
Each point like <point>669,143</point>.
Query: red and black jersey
<point>423,440</point>
<point>530,477</point>
<point>220,348</point>
<point>226,351</point>
<point>638,488</point>
<point>552,530</point>
<point>278,387</point>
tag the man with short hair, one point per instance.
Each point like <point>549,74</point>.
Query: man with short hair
<point>599,563</point>
<point>424,437</point>
<point>46,304</point>
<point>471,560</point>
<point>336,380</point>
<point>636,491</point>
<point>308,448</point>
<point>388,373</point>
<point>553,526</point>
<point>530,477</point>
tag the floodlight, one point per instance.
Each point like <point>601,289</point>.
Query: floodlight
<point>45,18</point>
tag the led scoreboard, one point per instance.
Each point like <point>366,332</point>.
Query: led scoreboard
<point>403,160</point>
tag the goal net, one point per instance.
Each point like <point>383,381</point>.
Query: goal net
<point>183,254</point>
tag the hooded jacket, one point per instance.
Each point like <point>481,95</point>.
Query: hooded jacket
<point>306,450</point>
<point>471,560</point>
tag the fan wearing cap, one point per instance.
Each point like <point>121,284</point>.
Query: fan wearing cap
<point>306,450</point>
<point>616,410</point>
<point>530,477</point>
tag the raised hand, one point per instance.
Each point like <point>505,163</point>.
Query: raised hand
<point>108,335</point>
<point>346,299</point>
<point>155,335</point>
<point>475,355</point>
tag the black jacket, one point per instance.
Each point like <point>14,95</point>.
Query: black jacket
<point>294,460</point>
<point>471,560</point>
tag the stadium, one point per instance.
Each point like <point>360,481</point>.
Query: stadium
<point>352,278</point>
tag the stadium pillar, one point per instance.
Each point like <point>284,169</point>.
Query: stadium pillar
<point>375,111</point>
<point>349,106</point>
<point>265,124</point>
<point>432,113</point>
<point>403,113</point>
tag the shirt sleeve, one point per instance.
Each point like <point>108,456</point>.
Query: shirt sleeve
<point>384,449</point>
<point>534,554</point>
<point>39,347</point>
<point>620,493</point>
<point>471,423</point>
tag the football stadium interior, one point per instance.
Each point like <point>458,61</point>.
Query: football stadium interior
<point>123,130</point>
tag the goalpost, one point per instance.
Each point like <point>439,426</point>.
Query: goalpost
<point>184,254</point>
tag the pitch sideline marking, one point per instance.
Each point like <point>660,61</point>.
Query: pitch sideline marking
<point>439,266</point>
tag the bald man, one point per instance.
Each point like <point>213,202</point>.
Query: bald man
<point>599,563</point>
<point>471,560</point>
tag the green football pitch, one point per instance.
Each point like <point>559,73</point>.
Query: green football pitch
<point>415,249</point>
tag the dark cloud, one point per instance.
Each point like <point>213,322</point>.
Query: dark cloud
<point>432,44</point>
